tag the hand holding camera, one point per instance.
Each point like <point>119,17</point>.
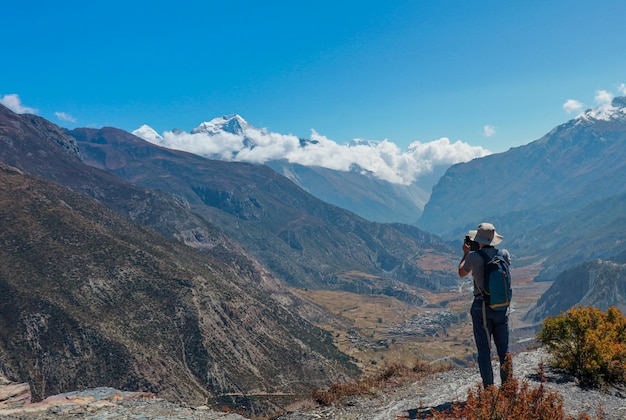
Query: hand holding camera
<point>470,245</point>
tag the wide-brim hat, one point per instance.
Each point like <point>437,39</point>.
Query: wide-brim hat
<point>485,234</point>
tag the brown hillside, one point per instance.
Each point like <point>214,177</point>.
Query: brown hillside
<point>90,299</point>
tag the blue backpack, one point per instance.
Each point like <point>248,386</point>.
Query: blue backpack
<point>497,293</point>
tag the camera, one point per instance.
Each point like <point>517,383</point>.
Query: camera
<point>472,244</point>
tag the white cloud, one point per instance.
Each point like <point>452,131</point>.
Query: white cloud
<point>13,102</point>
<point>489,130</point>
<point>384,159</point>
<point>442,152</point>
<point>622,89</point>
<point>65,117</point>
<point>223,145</point>
<point>572,105</point>
<point>603,97</point>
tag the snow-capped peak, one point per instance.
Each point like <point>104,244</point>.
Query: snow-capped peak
<point>230,123</point>
<point>613,111</point>
<point>148,133</point>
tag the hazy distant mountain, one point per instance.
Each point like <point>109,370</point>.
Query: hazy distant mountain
<point>592,232</point>
<point>387,185</point>
<point>358,191</point>
<point>575,164</point>
<point>355,190</point>
<point>303,240</point>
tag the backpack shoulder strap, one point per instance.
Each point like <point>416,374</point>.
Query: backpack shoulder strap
<point>486,260</point>
<point>484,255</point>
<point>500,258</point>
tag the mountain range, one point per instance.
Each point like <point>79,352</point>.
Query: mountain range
<point>370,195</point>
<point>302,239</point>
<point>575,164</point>
<point>574,172</point>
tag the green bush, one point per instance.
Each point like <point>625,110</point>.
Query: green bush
<point>588,343</point>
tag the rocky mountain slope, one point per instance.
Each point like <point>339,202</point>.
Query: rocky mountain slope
<point>38,147</point>
<point>595,283</point>
<point>92,299</point>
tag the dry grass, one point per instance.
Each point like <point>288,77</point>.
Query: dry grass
<point>392,375</point>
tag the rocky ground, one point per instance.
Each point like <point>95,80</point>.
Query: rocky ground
<point>440,390</point>
<point>410,401</point>
<point>98,403</point>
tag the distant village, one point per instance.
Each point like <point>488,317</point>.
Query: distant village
<point>425,324</point>
<point>430,324</point>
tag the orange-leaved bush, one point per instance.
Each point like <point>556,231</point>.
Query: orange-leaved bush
<point>588,343</point>
<point>512,401</point>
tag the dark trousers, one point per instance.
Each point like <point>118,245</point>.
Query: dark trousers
<point>498,328</point>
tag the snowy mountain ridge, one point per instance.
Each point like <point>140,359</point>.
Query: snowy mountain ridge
<point>233,123</point>
<point>148,133</point>
<point>610,111</point>
<point>232,138</point>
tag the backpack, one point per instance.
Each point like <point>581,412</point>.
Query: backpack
<point>497,293</point>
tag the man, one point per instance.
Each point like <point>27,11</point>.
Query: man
<point>486,321</point>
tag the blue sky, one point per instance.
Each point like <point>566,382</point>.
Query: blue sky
<point>490,73</point>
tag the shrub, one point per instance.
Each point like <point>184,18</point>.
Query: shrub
<point>338,392</point>
<point>511,402</point>
<point>588,343</point>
